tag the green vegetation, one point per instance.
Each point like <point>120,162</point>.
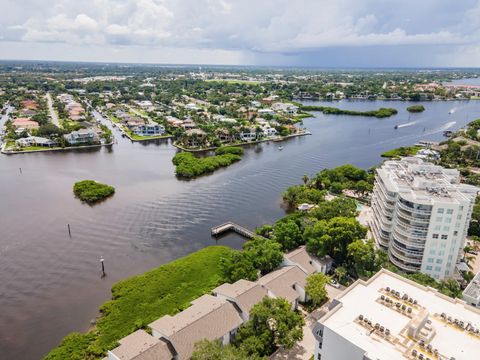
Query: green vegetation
<point>234,150</point>
<point>416,108</point>
<point>259,255</point>
<point>142,299</point>
<point>214,350</point>
<point>401,151</point>
<point>189,166</point>
<point>91,191</point>
<point>315,288</point>
<point>447,287</point>
<point>272,324</point>
<point>380,113</point>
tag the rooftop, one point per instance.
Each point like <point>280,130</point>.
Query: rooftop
<point>443,324</point>
<point>141,346</point>
<point>246,293</point>
<point>303,259</point>
<point>280,282</point>
<point>424,183</point>
<point>473,288</point>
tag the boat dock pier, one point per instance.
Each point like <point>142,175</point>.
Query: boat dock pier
<point>231,226</point>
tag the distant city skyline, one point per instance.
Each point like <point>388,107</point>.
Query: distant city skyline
<point>343,33</point>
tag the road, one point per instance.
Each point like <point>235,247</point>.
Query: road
<point>53,114</point>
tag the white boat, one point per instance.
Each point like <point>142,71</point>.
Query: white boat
<point>280,148</point>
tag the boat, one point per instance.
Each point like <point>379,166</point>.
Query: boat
<point>280,148</point>
<point>395,127</point>
<point>447,133</point>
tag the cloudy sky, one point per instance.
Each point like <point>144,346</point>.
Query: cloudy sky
<point>346,33</point>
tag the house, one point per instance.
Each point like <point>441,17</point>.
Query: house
<point>268,131</point>
<point>255,103</point>
<point>243,293</point>
<point>140,345</point>
<point>133,121</point>
<point>35,141</point>
<point>249,134</point>
<point>191,106</point>
<point>270,99</point>
<point>208,317</point>
<point>188,124</point>
<point>25,123</point>
<point>149,130</point>
<point>195,137</point>
<point>286,108</point>
<point>27,112</point>
<point>29,104</point>
<point>224,135</point>
<point>266,111</point>
<point>288,282</point>
<point>82,136</point>
<point>308,263</point>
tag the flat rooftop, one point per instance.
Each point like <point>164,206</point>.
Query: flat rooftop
<point>431,317</point>
<point>424,183</point>
<point>473,289</point>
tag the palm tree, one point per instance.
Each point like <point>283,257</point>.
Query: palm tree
<point>305,179</point>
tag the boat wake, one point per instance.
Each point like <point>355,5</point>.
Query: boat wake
<point>407,124</point>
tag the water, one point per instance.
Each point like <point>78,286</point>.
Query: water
<point>50,283</point>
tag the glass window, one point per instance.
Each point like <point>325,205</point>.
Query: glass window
<point>429,267</point>
<point>440,211</point>
<point>432,252</point>
<point>450,211</point>
<point>448,220</point>
<point>450,257</point>
<point>439,219</point>
<point>455,233</point>
<point>438,268</point>
<point>439,261</point>
<point>435,236</point>
<point>446,228</point>
<point>459,217</point>
<point>430,260</point>
<point>444,237</point>
<point>438,227</point>
<point>449,265</point>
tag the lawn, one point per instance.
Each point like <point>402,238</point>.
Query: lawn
<point>141,138</point>
<point>401,151</point>
<point>140,300</point>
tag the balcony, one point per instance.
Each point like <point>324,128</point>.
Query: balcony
<point>410,209</point>
<point>420,244</point>
<point>401,264</point>
<point>412,219</point>
<point>409,235</point>
<point>409,255</point>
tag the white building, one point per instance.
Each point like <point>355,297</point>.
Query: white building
<point>421,214</point>
<point>471,294</point>
<point>389,317</point>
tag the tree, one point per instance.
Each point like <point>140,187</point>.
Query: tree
<point>341,274</point>
<point>288,234</point>
<point>332,237</point>
<point>450,287</point>
<point>213,350</point>
<point>238,265</point>
<point>272,324</point>
<point>364,258</point>
<point>339,206</point>
<point>315,288</point>
<point>266,254</point>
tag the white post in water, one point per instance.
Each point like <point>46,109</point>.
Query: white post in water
<point>103,266</point>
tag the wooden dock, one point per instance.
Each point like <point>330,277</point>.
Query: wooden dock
<point>231,226</point>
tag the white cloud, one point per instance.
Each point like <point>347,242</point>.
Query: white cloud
<point>249,26</point>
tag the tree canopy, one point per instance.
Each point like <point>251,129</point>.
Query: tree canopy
<point>315,288</point>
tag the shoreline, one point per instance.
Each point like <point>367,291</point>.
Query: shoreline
<point>243,143</point>
<point>120,127</point>
<point>12,152</point>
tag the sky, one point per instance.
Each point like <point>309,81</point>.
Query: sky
<point>318,33</point>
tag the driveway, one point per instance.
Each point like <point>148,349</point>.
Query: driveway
<point>53,114</point>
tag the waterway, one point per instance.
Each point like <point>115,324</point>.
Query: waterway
<point>50,282</point>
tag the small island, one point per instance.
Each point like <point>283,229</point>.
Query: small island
<point>380,113</point>
<point>91,191</point>
<point>416,108</point>
<point>189,166</point>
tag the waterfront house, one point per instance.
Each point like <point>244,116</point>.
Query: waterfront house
<point>288,282</point>
<point>287,108</point>
<point>35,141</point>
<point>149,130</point>
<point>140,345</point>
<point>308,263</point>
<point>25,123</point>
<point>194,137</point>
<point>248,134</point>
<point>208,317</point>
<point>268,131</point>
<point>266,111</point>
<point>243,293</point>
<point>82,137</point>
<point>224,135</point>
<point>188,124</point>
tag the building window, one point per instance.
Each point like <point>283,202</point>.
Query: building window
<point>438,268</point>
<point>449,211</point>
<point>435,236</point>
<point>444,237</point>
<point>446,228</point>
<point>429,267</point>
<point>455,233</point>
<point>438,227</point>
<point>461,208</point>
<point>439,219</point>
<point>439,261</point>
<point>430,260</point>
<point>459,217</point>
<point>448,220</point>
<point>439,211</point>
<point>449,265</point>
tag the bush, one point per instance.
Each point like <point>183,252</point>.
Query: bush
<point>91,191</point>
<point>380,113</point>
<point>235,150</point>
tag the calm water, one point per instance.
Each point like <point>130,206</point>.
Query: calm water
<point>50,283</point>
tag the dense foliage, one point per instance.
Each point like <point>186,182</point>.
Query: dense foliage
<point>380,113</point>
<point>189,166</point>
<point>316,288</point>
<point>272,324</point>
<point>91,191</point>
<point>214,350</point>
<point>235,150</point>
<point>416,108</point>
<point>142,299</point>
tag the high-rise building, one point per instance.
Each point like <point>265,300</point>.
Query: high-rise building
<point>389,317</point>
<point>421,214</point>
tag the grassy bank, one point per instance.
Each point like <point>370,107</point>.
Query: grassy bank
<point>380,113</point>
<point>401,151</point>
<point>91,191</point>
<point>189,166</point>
<point>142,299</point>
